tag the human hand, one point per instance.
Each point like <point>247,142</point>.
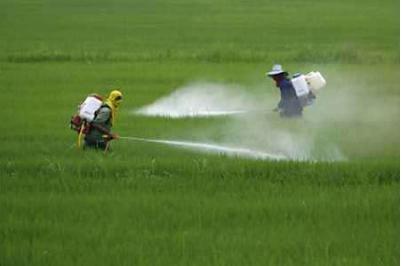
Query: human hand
<point>114,136</point>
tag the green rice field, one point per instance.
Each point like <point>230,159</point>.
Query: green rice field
<point>154,204</point>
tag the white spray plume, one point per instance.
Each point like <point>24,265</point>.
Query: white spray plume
<point>202,99</point>
<point>220,149</point>
<point>343,105</point>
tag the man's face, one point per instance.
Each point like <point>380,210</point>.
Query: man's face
<point>277,78</point>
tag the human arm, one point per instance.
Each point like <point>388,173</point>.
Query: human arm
<point>105,131</point>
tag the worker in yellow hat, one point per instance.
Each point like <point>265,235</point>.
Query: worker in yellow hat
<point>100,132</point>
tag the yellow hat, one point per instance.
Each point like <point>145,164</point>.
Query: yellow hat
<point>115,98</point>
<point>113,101</point>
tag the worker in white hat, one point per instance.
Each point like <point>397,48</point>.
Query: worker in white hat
<point>289,105</point>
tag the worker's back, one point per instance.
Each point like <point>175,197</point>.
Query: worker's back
<point>103,118</point>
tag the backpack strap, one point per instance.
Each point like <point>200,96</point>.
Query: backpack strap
<point>97,111</point>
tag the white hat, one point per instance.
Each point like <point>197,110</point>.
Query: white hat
<point>277,69</point>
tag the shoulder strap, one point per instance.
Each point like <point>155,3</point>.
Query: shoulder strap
<point>102,106</point>
<point>105,105</point>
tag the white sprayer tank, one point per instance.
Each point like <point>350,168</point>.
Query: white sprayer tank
<point>315,81</point>
<point>89,107</point>
<point>300,85</point>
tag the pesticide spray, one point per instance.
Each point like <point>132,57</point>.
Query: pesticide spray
<point>204,100</point>
<point>352,116</point>
<point>247,123</point>
<point>231,151</point>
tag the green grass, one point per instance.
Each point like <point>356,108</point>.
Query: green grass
<point>212,31</point>
<point>200,211</point>
<point>149,204</point>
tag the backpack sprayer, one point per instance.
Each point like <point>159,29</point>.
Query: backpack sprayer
<point>86,113</point>
<point>305,85</point>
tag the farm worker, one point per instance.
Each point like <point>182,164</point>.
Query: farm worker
<point>100,131</point>
<point>289,105</point>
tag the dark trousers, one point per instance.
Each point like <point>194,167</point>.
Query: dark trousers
<point>291,113</point>
<point>293,109</point>
<point>97,144</point>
